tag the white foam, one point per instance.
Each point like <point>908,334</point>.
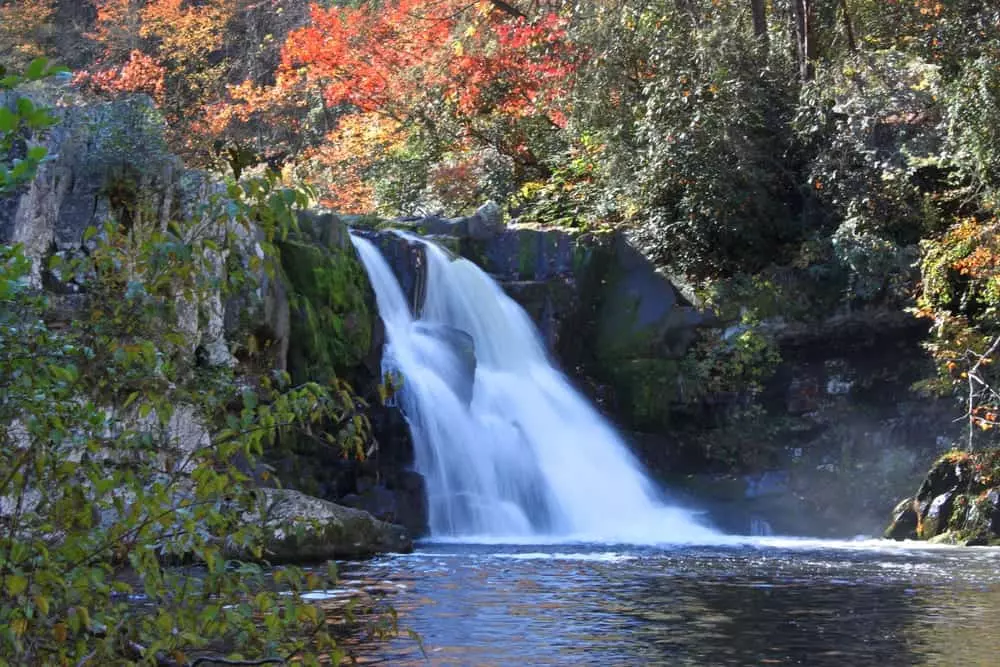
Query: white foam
<point>529,461</point>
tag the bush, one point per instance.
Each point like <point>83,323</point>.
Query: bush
<point>123,456</point>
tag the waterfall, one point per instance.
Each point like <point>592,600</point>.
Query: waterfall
<point>522,456</point>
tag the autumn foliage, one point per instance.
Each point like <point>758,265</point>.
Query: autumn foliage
<point>454,76</point>
<point>357,90</point>
<point>24,25</point>
<point>168,49</point>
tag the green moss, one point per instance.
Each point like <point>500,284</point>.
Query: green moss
<point>527,254</point>
<point>647,390</point>
<point>331,320</point>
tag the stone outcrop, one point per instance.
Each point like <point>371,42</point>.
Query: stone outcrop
<point>109,164</point>
<point>300,528</point>
<point>108,161</point>
<point>957,503</point>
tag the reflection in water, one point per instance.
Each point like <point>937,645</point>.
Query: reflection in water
<point>572,605</point>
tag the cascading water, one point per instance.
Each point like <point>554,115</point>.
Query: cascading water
<point>527,458</point>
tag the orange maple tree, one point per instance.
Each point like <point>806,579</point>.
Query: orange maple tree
<point>461,74</point>
<point>168,49</point>
<point>24,25</point>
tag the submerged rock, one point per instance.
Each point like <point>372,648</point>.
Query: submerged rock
<point>301,528</point>
<point>462,376</point>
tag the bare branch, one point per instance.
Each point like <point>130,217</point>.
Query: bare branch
<point>508,9</point>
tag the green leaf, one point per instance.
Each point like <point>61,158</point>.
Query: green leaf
<point>36,70</point>
<point>37,153</point>
<point>8,120</point>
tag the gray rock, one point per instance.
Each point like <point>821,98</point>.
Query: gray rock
<point>935,519</point>
<point>642,313</point>
<point>904,521</point>
<point>486,223</point>
<point>101,155</point>
<point>301,528</point>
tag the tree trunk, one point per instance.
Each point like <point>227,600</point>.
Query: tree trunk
<point>805,45</point>
<point>508,8</point>
<point>852,44</point>
<point>758,9</point>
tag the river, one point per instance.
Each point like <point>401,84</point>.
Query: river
<point>766,602</point>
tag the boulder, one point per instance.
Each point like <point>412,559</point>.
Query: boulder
<point>903,525</point>
<point>959,498</point>
<point>301,528</point>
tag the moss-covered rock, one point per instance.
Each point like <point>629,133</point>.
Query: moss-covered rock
<point>301,528</point>
<point>959,498</point>
<point>331,300</point>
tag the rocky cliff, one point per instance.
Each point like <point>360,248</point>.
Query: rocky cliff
<point>315,316</point>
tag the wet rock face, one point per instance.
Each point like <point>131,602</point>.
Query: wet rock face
<point>400,499</point>
<point>462,372</point>
<point>958,502</point>
<point>408,261</point>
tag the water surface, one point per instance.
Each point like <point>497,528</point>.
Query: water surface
<point>773,602</point>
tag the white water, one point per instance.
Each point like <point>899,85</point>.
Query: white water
<point>529,457</point>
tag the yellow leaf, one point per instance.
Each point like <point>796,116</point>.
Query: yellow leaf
<point>18,626</point>
<point>16,584</point>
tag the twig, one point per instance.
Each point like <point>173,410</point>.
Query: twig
<point>85,659</point>
<point>226,661</point>
<point>973,377</point>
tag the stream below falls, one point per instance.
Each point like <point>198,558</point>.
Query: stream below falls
<point>766,602</point>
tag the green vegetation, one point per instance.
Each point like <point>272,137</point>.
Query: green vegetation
<point>126,458</point>
<point>19,122</point>
<point>332,320</point>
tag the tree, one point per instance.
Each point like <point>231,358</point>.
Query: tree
<point>453,78</point>
<point>169,49</point>
<point>25,29</point>
<point>961,296</point>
